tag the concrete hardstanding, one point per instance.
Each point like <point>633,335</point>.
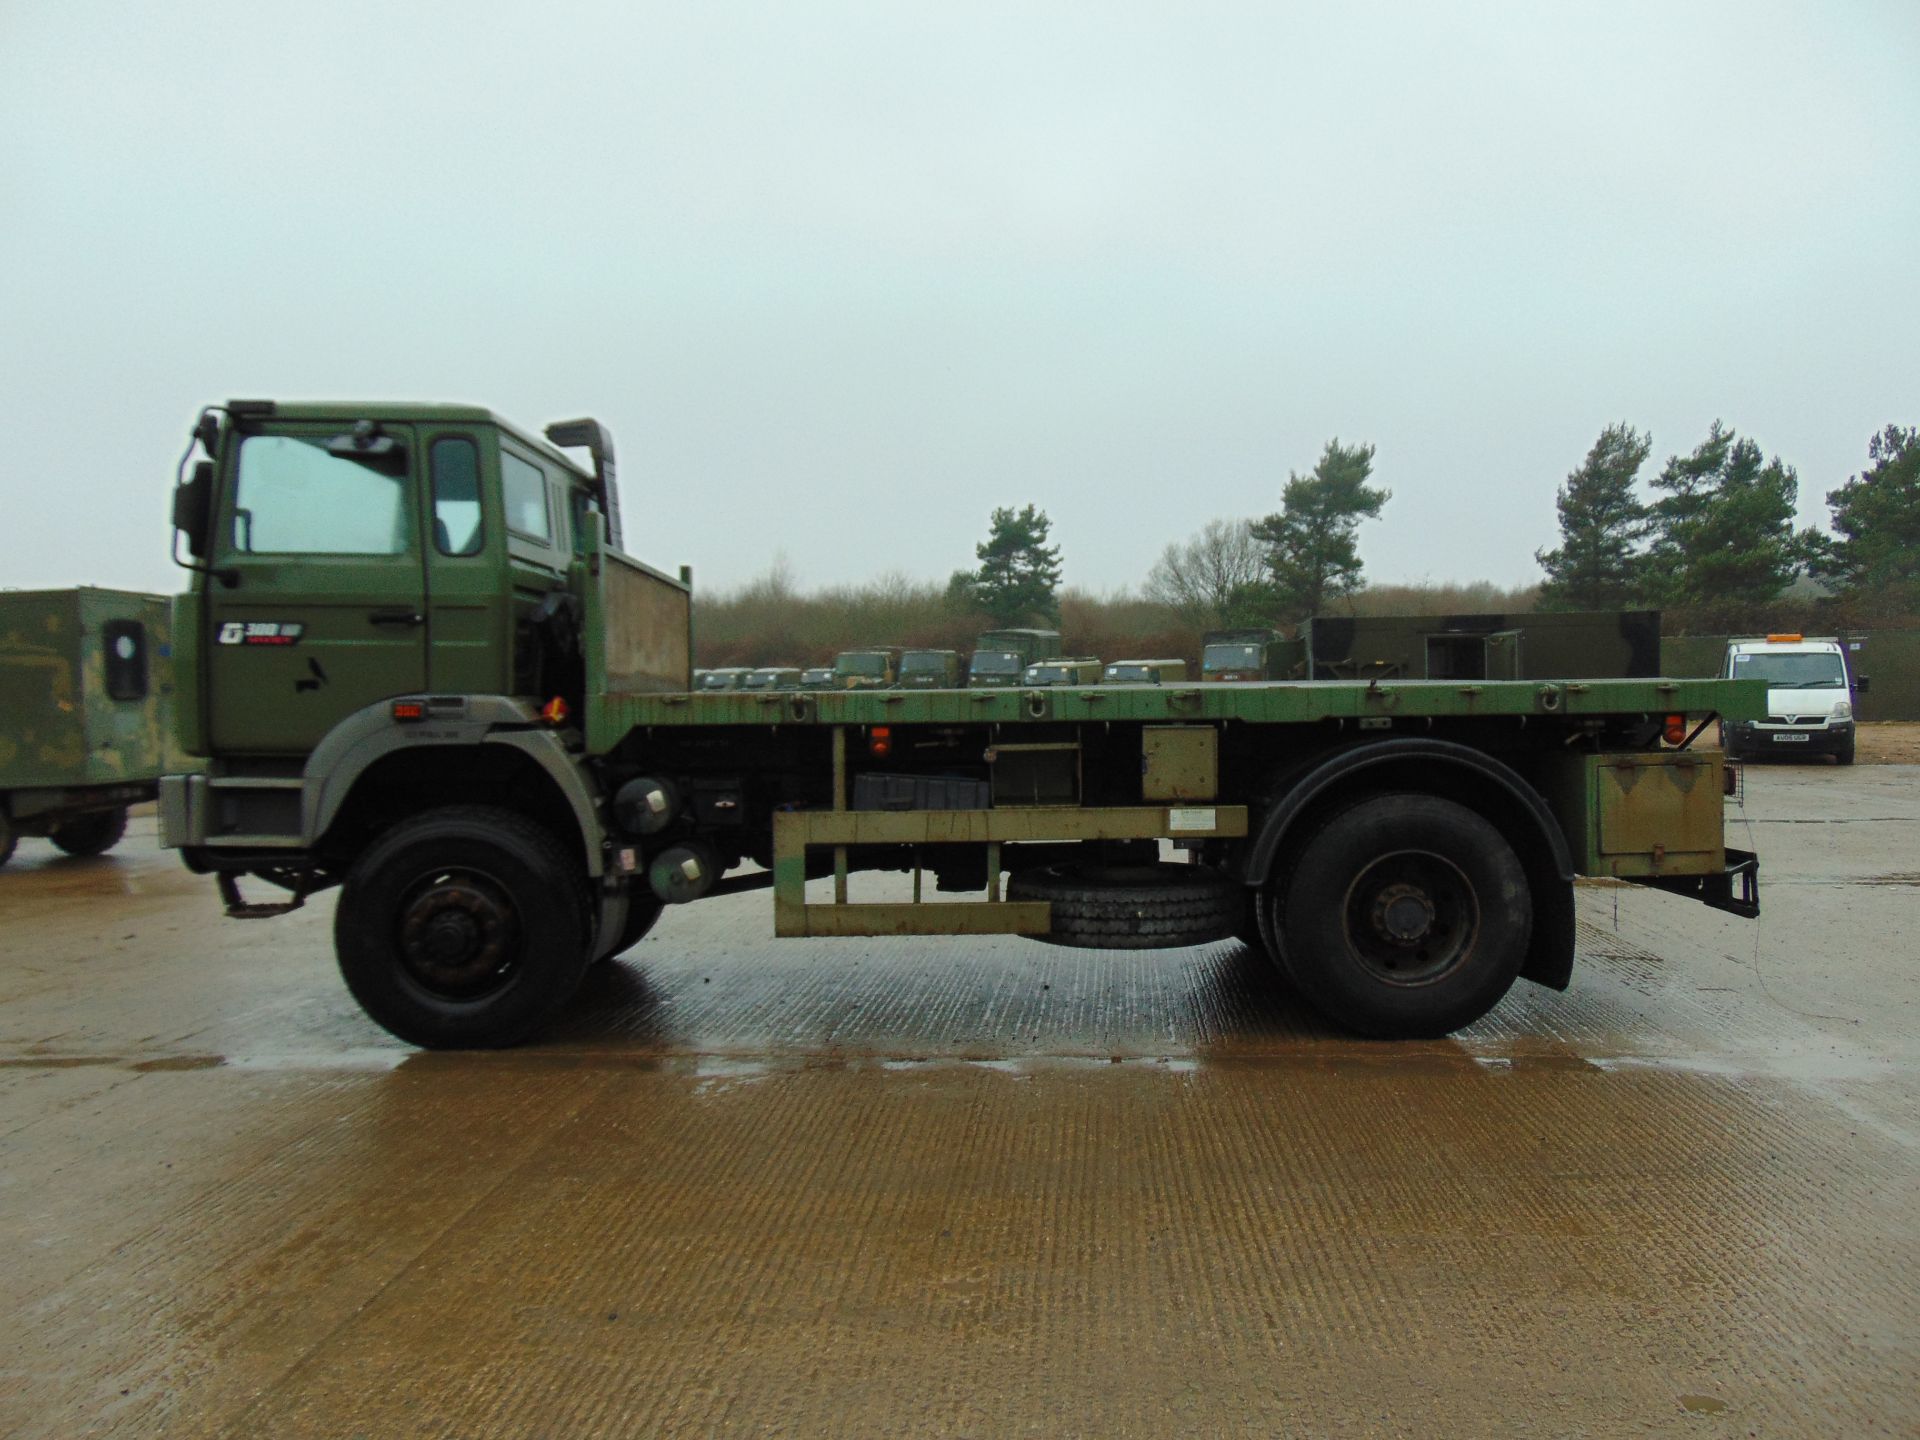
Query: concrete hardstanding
<point>86,688</point>
<point>985,1187</point>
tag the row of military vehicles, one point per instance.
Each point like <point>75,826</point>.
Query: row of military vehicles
<point>1008,659</point>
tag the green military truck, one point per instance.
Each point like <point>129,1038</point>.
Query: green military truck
<point>468,709</point>
<point>875,668</point>
<point>1001,656</point>
<point>86,718</point>
<point>929,669</point>
<point>1235,656</point>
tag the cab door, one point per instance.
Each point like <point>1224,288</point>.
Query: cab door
<point>322,608</point>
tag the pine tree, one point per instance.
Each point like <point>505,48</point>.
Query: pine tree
<point>1723,525</point>
<point>1312,555</point>
<point>1602,523</point>
<point>1019,572</point>
<point>1875,557</point>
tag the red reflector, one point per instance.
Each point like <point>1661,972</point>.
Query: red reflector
<point>409,710</point>
<point>880,741</point>
<point>1676,729</point>
<point>555,711</point>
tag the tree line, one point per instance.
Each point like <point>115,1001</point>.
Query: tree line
<point>1711,537</point>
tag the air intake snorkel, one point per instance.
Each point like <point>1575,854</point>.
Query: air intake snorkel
<point>599,443</point>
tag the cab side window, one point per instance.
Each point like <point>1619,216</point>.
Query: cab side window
<point>524,488</point>
<point>458,527</point>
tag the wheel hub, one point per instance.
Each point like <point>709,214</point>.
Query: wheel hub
<point>1403,913</point>
<point>457,936</point>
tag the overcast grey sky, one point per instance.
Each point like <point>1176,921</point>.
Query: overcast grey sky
<point>843,276</point>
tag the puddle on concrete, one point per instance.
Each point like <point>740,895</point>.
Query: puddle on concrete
<point>1702,1404</point>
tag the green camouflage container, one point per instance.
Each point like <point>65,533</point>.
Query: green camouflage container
<point>86,710</point>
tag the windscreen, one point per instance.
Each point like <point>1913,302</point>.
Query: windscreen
<point>1230,657</point>
<point>860,665</point>
<point>995,662</point>
<point>1130,672</point>
<point>1047,675</point>
<point>923,662</point>
<point>1821,671</point>
<point>293,498</point>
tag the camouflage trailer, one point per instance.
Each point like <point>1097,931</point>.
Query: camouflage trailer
<point>1067,670</point>
<point>1001,656</point>
<point>1145,672</point>
<point>875,669</point>
<point>1574,645</point>
<point>1230,656</point>
<point>930,670</point>
<point>86,713</point>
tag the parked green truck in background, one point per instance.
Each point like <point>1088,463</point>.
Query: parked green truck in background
<point>1000,656</point>
<point>86,713</point>
<point>420,668</point>
<point>929,669</point>
<point>1230,656</point>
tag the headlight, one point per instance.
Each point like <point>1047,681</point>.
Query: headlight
<point>1843,710</point>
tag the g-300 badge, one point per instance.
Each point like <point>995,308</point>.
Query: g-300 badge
<point>260,632</point>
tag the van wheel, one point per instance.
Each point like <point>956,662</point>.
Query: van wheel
<point>464,928</point>
<point>1406,915</point>
<point>93,834</point>
<point>1844,757</point>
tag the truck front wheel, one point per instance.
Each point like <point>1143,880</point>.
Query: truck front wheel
<point>464,928</point>
<point>1406,915</point>
<point>92,834</point>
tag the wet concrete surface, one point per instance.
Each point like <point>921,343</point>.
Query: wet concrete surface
<point>972,1187</point>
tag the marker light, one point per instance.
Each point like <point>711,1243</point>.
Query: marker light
<point>555,711</point>
<point>1784,639</point>
<point>409,710</point>
<point>880,742</point>
<point>1676,729</point>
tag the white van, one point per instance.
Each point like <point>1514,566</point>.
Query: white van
<point>1809,698</point>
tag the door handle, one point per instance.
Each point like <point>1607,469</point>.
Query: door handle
<point>396,617</point>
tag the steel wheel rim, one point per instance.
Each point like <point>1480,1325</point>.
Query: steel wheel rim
<point>1410,917</point>
<point>458,935</point>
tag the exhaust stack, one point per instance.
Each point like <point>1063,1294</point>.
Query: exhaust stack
<point>598,441</point>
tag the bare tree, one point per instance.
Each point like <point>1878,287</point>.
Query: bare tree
<point>1214,578</point>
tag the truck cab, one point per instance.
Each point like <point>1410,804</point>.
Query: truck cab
<point>929,669</point>
<point>1239,656</point>
<point>874,669</point>
<point>1000,657</point>
<point>1810,691</point>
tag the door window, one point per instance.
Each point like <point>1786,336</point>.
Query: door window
<point>293,498</point>
<point>458,528</point>
<point>124,644</point>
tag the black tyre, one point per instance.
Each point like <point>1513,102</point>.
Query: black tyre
<point>1133,907</point>
<point>91,834</point>
<point>643,912</point>
<point>465,928</point>
<point>1406,915</point>
<point>1844,757</point>
<point>7,838</point>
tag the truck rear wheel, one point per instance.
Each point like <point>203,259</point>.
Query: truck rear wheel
<point>465,928</point>
<point>1133,907</point>
<point>91,834</point>
<point>1404,916</point>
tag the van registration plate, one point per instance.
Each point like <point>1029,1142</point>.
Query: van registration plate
<point>1791,739</point>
